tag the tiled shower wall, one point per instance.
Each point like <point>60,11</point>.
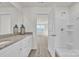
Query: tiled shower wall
<point>64,35</point>
<point>75,20</point>
<point>67,27</point>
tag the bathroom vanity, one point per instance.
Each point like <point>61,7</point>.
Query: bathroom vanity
<point>16,45</point>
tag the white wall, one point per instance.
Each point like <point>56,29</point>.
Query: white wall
<point>74,9</point>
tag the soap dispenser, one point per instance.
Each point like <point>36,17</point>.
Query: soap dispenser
<point>15,29</point>
<point>22,29</point>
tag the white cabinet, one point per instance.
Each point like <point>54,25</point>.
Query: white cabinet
<point>21,48</point>
<point>11,51</point>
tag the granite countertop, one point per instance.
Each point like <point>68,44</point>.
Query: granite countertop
<point>4,42</point>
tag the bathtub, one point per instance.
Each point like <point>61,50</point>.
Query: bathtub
<point>66,52</point>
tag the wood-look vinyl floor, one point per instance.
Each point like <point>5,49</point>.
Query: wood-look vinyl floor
<point>42,47</point>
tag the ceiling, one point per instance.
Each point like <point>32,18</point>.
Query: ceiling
<point>37,4</point>
<point>45,4</point>
<point>6,4</point>
<point>42,19</point>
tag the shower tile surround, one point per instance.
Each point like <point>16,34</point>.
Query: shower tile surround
<point>67,43</point>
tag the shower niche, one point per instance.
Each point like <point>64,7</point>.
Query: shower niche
<point>70,29</point>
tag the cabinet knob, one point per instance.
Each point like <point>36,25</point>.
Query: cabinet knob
<point>20,49</point>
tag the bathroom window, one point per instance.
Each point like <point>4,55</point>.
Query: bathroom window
<point>40,27</point>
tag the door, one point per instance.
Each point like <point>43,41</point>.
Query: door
<point>51,34</point>
<point>51,40</point>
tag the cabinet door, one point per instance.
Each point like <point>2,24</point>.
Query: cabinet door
<point>26,46</point>
<point>29,45</point>
<point>10,51</point>
<point>51,34</point>
<point>13,50</point>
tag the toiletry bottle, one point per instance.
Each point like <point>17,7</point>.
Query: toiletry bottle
<point>15,29</point>
<point>22,29</point>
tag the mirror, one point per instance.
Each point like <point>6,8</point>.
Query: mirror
<point>5,24</point>
<point>9,16</point>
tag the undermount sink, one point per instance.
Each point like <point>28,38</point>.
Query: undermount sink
<point>3,43</point>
